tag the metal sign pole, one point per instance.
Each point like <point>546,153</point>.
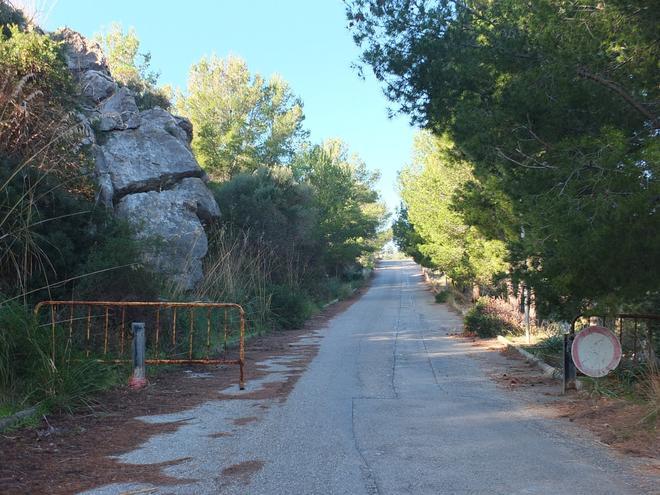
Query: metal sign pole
<point>139,378</point>
<point>569,367</point>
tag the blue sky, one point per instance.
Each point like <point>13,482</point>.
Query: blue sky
<point>306,41</point>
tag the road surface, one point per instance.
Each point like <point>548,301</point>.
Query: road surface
<point>390,405</point>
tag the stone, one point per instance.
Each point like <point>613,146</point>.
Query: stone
<point>105,193</point>
<point>119,112</point>
<point>143,166</point>
<point>80,53</point>
<point>151,157</point>
<point>97,85</point>
<point>193,192</point>
<point>174,236</point>
<point>87,136</point>
<point>185,125</point>
<point>162,119</point>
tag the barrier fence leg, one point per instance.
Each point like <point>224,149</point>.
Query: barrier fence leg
<point>139,377</point>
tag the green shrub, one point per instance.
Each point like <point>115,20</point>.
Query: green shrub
<point>148,96</point>
<point>113,269</point>
<point>52,235</point>
<point>291,307</point>
<point>345,290</point>
<point>442,296</point>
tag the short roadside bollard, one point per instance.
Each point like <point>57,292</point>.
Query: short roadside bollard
<point>139,377</point>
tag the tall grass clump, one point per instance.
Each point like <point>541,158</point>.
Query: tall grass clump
<point>30,376</point>
<point>237,270</point>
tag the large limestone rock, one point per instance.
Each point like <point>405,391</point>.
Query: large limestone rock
<point>171,222</point>
<point>151,157</point>
<point>144,166</point>
<point>81,54</point>
<point>97,85</point>
<point>119,112</point>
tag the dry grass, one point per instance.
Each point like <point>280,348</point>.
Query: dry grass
<point>237,270</point>
<point>37,142</point>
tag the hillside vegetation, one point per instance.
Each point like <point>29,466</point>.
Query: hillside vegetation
<point>299,221</point>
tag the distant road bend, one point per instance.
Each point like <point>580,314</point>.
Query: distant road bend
<point>390,405</point>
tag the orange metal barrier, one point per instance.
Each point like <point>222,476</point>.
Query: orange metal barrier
<point>102,328</point>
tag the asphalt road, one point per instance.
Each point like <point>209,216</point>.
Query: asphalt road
<point>390,405</point>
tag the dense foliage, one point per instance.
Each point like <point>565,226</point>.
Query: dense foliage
<point>491,317</point>
<point>306,227</point>
<point>443,239</point>
<point>270,204</point>
<point>348,206</point>
<point>554,104</point>
<point>51,232</point>
<point>55,242</point>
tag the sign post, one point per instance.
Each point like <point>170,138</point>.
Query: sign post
<point>139,377</point>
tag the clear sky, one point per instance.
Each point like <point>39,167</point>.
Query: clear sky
<point>306,41</point>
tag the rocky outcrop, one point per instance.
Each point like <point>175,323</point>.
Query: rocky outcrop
<point>144,166</point>
<point>152,156</point>
<point>173,216</point>
<point>96,85</point>
<point>118,112</point>
<point>81,54</point>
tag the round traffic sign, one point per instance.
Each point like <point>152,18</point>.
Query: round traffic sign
<point>596,351</point>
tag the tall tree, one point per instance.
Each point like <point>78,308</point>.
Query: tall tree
<point>131,67</point>
<point>350,212</point>
<point>443,239</point>
<point>240,120</point>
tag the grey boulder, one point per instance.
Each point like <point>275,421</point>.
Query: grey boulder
<point>152,157</point>
<point>80,53</point>
<point>169,223</point>
<point>193,192</point>
<point>119,112</point>
<point>185,125</point>
<point>97,85</point>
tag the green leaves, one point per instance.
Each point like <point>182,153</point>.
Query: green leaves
<point>240,120</point>
<point>555,105</point>
<point>127,65</point>
<point>348,205</point>
<point>131,68</point>
<point>432,230</point>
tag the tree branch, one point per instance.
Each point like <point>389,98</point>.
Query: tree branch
<point>612,86</point>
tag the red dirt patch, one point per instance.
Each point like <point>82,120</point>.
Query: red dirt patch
<point>617,423</point>
<point>242,471</point>
<point>245,421</point>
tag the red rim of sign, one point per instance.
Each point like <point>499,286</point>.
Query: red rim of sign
<point>616,346</point>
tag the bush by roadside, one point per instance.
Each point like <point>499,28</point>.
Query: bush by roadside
<point>30,377</point>
<point>490,317</point>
